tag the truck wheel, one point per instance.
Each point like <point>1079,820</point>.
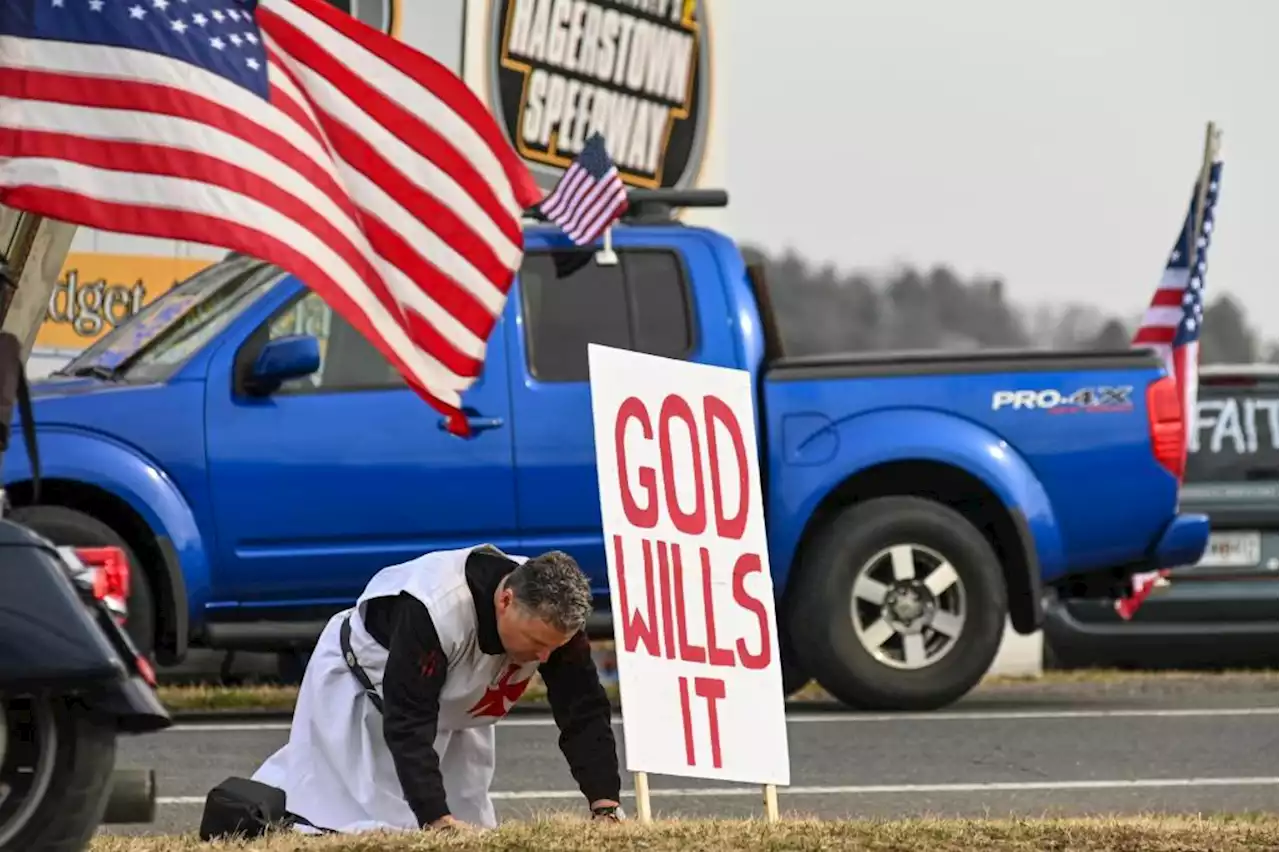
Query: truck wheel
<point>794,675</point>
<point>56,765</point>
<point>899,604</point>
<point>67,527</point>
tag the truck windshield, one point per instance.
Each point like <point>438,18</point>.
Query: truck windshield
<point>157,340</point>
<point>1233,438</point>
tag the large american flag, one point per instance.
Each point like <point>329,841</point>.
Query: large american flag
<point>1171,326</point>
<point>589,196</point>
<point>286,130</point>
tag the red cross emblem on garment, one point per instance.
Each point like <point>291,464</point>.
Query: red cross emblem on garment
<point>500,695</point>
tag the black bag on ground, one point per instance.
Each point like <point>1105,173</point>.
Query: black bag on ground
<point>241,808</point>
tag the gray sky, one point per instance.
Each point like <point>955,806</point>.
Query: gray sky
<point>1054,144</point>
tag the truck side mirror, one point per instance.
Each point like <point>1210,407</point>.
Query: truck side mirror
<point>283,359</point>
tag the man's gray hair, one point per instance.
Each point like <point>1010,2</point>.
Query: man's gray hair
<point>553,587</point>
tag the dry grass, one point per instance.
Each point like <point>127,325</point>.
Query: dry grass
<point>1266,677</point>
<point>205,698</point>
<point>1138,834</point>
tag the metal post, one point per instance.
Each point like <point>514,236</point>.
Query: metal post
<point>35,250</point>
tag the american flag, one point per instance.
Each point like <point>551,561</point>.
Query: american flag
<point>589,196</point>
<point>286,130</point>
<point>1171,326</point>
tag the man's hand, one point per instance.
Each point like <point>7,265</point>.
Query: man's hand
<point>449,822</point>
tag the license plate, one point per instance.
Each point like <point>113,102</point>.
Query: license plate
<point>1233,550</point>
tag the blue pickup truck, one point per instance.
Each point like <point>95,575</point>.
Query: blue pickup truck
<point>259,460</point>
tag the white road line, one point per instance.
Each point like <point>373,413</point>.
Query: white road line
<point>829,718</point>
<point>863,790</point>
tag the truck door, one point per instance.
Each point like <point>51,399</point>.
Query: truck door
<point>645,303</point>
<point>346,471</point>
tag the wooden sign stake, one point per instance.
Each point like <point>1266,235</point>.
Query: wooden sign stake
<point>643,812</point>
<point>770,803</point>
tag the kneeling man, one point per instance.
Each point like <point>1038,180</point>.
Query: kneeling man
<point>394,723</point>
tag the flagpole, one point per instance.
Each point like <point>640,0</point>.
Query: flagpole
<point>1212,142</point>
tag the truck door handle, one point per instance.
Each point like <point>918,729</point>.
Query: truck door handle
<point>476,423</point>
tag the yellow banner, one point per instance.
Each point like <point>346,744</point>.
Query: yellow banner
<point>95,292</point>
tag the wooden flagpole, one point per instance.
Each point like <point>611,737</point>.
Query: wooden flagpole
<point>1212,143</point>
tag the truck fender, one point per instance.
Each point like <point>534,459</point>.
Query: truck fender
<point>117,468</point>
<point>818,455</point>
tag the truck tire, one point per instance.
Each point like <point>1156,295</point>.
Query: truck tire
<point>69,527</point>
<point>57,763</point>
<point>899,604</point>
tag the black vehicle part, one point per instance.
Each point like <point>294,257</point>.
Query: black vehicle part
<point>56,640</point>
<point>72,528</point>
<point>56,761</point>
<point>898,604</point>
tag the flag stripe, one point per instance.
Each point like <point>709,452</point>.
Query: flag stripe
<point>376,58</point>
<point>211,202</point>
<point>245,168</point>
<point>66,205</point>
<point>88,66</point>
<point>430,172</point>
<point>381,89</point>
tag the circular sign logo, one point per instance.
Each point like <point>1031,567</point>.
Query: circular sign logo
<point>380,14</point>
<point>639,72</point>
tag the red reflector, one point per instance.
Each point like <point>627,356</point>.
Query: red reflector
<point>111,571</point>
<point>1168,431</point>
<point>145,669</point>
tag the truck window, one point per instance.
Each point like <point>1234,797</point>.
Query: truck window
<point>1233,438</point>
<point>348,362</point>
<point>641,304</point>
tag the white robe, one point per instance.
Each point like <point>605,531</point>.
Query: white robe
<point>336,769</point>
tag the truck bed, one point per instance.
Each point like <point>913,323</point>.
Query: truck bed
<point>1065,433</point>
<point>849,365</point>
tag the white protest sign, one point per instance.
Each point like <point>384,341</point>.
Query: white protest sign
<point>693,610</point>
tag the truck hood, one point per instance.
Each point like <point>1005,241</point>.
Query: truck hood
<point>55,386</point>
<point>84,400</point>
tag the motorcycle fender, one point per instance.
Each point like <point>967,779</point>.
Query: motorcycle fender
<point>49,638</point>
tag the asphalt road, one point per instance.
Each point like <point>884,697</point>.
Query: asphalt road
<point>1199,746</point>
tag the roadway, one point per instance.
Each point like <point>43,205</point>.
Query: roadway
<point>1178,746</point>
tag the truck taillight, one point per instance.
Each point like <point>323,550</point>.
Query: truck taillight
<point>110,577</point>
<point>1168,429</point>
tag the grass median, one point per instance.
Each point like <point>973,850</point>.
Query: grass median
<point>1137,834</point>
<point>276,698</point>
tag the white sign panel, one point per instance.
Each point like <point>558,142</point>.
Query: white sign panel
<point>693,614</point>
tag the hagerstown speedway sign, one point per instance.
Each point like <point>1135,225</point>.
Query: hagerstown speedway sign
<point>637,71</point>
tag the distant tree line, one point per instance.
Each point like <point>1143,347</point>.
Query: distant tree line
<point>821,309</point>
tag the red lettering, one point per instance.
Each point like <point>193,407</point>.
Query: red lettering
<point>715,410</point>
<point>692,523</point>
<point>689,652</point>
<point>647,517</point>
<point>712,689</point>
<point>719,656</point>
<point>749,563</point>
<point>664,576</point>
<point>687,718</point>
<point>634,628</point>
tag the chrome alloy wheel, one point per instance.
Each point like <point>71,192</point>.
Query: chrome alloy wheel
<point>28,748</point>
<point>908,606</point>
